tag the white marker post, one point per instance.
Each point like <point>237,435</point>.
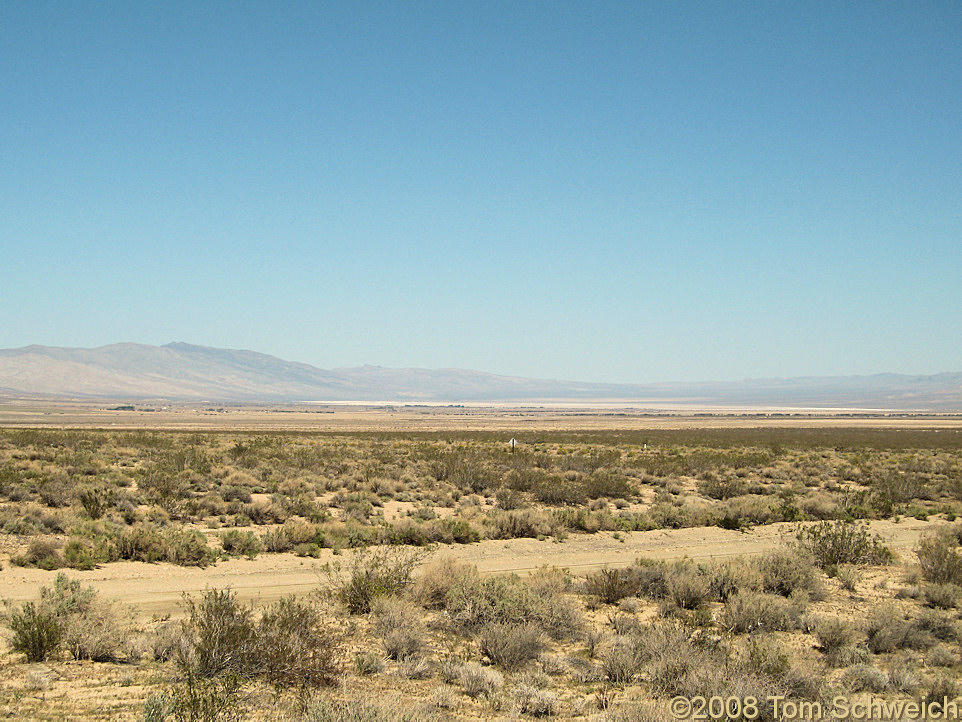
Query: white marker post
<point>512,444</point>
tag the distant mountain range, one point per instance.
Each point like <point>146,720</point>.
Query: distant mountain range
<point>184,372</point>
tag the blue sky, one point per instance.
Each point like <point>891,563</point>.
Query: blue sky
<point>604,191</point>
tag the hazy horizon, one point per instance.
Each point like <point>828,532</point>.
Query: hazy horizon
<point>618,192</point>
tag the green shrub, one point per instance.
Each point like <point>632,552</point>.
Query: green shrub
<point>362,710</point>
<point>843,542</point>
<point>371,574</point>
<point>37,632</point>
<point>687,588</point>
<point>197,699</point>
<point>220,635</point>
<point>69,616</point>
<point>245,543</point>
<point>295,646</point>
<point>522,523</point>
<point>40,554</point>
<point>942,596</point>
<point>473,602</point>
<point>611,585</point>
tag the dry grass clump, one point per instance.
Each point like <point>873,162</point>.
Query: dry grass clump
<point>749,611</point>
<point>836,638</point>
<point>360,709</point>
<point>511,646</point>
<point>399,625</point>
<point>940,558</point>
<point>473,602</point>
<point>787,571</point>
<point>478,681</point>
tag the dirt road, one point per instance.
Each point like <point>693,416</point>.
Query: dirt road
<point>155,590</point>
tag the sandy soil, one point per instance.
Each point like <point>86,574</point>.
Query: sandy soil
<point>155,590</point>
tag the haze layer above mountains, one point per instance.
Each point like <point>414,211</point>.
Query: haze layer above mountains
<point>184,372</point>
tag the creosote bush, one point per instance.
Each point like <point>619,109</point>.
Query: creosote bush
<point>373,573</point>
<point>843,542</point>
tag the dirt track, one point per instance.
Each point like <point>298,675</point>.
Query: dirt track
<point>155,590</point>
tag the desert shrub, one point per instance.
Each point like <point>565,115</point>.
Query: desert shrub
<point>220,635</point>
<point>749,611</point>
<point>674,664</point>
<point>534,701</point>
<point>620,659</point>
<point>40,554</point>
<point>451,531</point>
<point>187,548</point>
<point>511,646</point>
<point>166,641</point>
<point>942,655</point>
<point>943,687</point>
<point>367,664</point>
<point>521,523</point>
<point>941,625</point>
<point>147,543</point>
<point>721,488</point>
<point>557,491</point>
<point>727,578</point>
<point>509,499</point>
<point>887,629</point>
<point>431,587</point>
<point>361,710</point>
<point>865,678</point>
<point>245,543</point>
<point>942,596</point>
<point>87,553</point>
<point>607,484</point>
<point>96,500</point>
<point>197,699</point>
<point>611,585</point>
<point>373,573</point>
<point>786,571</point>
<point>903,676</point>
<point>834,636</point>
<point>69,616</point>
<point>687,589</point>
<point>939,557</point>
<point>767,656</point>
<point>276,540</point>
<point>96,633</point>
<point>478,681</point>
<point>294,645</point>
<point>843,542</point>
<point>37,632</point>
<point>474,602</point>
<point>399,625</point>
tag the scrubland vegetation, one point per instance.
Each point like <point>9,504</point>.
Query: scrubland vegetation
<point>79,499</point>
<point>394,631</point>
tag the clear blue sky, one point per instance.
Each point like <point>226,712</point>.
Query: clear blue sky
<point>604,191</point>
